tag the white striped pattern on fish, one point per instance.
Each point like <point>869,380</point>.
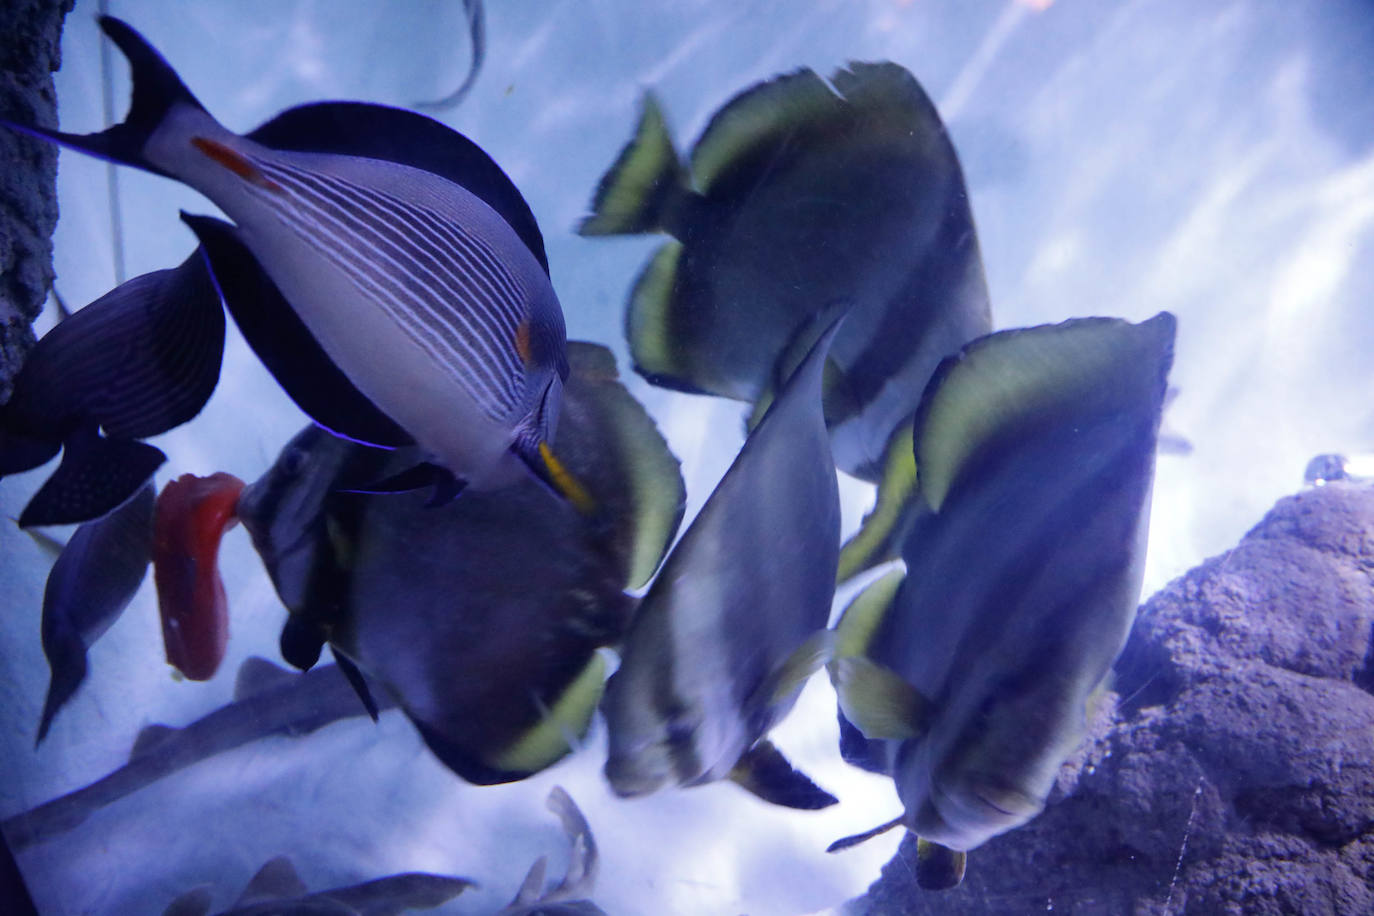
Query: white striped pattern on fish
<point>445,288</point>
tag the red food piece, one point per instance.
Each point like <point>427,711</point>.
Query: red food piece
<point>192,515</point>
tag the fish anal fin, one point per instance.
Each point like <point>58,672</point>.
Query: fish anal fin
<point>865,614</point>
<point>766,773</point>
<point>877,701</point>
<point>938,868</point>
<point>568,718</point>
<point>637,193</point>
<point>882,532</point>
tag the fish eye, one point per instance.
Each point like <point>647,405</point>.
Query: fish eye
<point>293,461</point>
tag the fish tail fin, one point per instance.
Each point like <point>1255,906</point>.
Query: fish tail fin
<point>156,90</point>
<point>647,183</point>
<point>96,475</point>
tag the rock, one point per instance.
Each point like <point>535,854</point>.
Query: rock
<point>1235,773</point>
<point>30,50</point>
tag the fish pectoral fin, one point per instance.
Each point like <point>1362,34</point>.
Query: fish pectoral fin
<point>639,192</point>
<point>447,486</point>
<point>805,660</point>
<point>96,476</point>
<point>551,472</point>
<point>883,530</point>
<point>766,773</point>
<point>938,868</point>
<point>852,841</point>
<point>877,701</point>
<point>356,681</point>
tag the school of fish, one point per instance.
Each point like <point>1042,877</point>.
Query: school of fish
<point>480,514</point>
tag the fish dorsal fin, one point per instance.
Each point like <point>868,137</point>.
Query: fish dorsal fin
<point>276,880</point>
<point>882,532</point>
<point>757,119</point>
<point>407,138</point>
<point>1010,382</point>
<point>413,890</point>
<point>766,773</point>
<point>195,902</point>
<point>566,721</point>
<point>532,888</point>
<point>638,191</point>
<point>149,737</point>
<point>643,495</point>
<point>258,675</point>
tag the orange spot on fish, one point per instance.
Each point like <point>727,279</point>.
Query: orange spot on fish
<point>522,342</point>
<point>192,515</point>
<point>234,162</point>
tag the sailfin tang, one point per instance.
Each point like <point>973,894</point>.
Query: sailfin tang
<point>635,195</point>
<point>284,344</point>
<point>938,868</point>
<point>766,773</point>
<point>96,475</point>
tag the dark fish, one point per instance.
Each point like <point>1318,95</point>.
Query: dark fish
<point>970,678</point>
<point>90,585</point>
<point>134,363</point>
<point>481,617</point>
<point>410,285</point>
<point>735,622</point>
<point>477,31</point>
<point>267,701</point>
<point>192,514</point>
<point>567,898</point>
<point>797,195</point>
<point>277,889</point>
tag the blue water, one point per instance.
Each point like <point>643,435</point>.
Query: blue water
<point>1213,160</point>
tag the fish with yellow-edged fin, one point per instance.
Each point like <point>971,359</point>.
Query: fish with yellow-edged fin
<point>735,622</point>
<point>418,303</point>
<point>481,618</point>
<point>968,679</point>
<point>801,192</point>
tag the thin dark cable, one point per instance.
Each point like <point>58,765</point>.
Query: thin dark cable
<point>111,173</point>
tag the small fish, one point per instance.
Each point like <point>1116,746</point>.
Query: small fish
<point>192,515</point>
<point>735,622</point>
<point>567,898</point>
<point>278,889</point>
<point>508,588</point>
<point>477,31</point>
<point>136,362</point>
<point>91,583</point>
<point>969,678</point>
<point>418,306</point>
<point>268,701</point>
<point>797,195</point>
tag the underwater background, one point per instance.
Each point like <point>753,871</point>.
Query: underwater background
<point>1215,161</point>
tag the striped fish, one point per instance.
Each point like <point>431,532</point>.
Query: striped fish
<point>418,291</point>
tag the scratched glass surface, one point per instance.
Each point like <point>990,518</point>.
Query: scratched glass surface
<point>1122,158</point>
